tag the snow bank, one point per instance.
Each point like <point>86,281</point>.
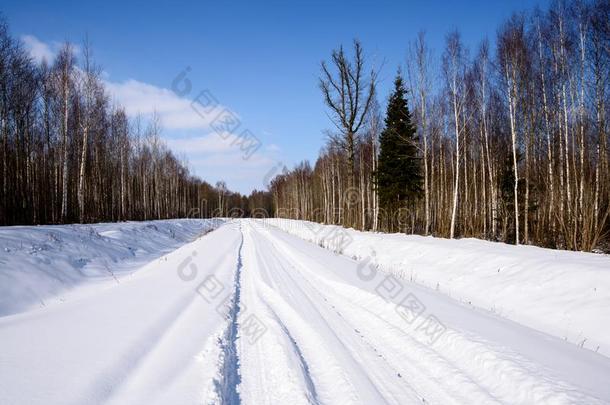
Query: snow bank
<point>41,264</point>
<point>565,294</point>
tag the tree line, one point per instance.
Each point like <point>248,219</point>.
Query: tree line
<point>71,155</point>
<point>507,144</point>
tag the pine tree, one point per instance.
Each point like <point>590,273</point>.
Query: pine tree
<point>398,176</point>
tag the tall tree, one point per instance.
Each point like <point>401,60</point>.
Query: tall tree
<point>89,89</point>
<point>419,59</point>
<point>398,176</point>
<point>64,67</point>
<point>349,94</point>
<point>453,67</point>
<point>513,60</point>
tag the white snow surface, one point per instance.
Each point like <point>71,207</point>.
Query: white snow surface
<point>565,294</point>
<point>40,265</point>
<point>249,314</point>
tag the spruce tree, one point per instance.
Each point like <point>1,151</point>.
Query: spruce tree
<point>398,177</point>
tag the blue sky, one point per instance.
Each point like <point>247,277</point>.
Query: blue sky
<point>259,60</point>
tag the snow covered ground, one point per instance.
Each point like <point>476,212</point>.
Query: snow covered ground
<point>565,294</point>
<point>251,314</point>
<point>40,265</point>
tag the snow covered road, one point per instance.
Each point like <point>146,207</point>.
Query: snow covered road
<point>250,314</point>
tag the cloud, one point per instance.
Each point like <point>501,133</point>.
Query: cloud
<point>203,144</point>
<point>38,50</point>
<point>176,112</point>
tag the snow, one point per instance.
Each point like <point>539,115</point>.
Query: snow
<point>251,314</point>
<point>565,294</point>
<point>356,346</point>
<point>149,338</point>
<point>40,265</point>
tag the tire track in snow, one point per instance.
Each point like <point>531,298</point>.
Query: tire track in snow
<point>415,380</point>
<point>273,371</point>
<point>312,395</point>
<point>229,372</point>
<point>358,384</point>
<point>470,368</point>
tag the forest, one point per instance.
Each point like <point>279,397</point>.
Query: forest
<point>506,142</point>
<point>69,154</point>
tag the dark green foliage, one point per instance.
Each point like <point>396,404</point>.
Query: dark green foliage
<point>399,176</point>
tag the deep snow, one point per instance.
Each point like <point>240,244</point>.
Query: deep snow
<point>41,265</point>
<point>251,314</point>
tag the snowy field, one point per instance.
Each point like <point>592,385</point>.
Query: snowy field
<point>167,312</point>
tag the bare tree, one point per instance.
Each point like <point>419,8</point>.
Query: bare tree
<point>349,94</point>
<point>89,89</point>
<point>453,68</point>
<point>64,67</point>
<point>482,79</point>
<point>419,55</point>
<point>512,59</point>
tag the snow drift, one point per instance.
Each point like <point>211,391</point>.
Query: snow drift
<point>42,264</point>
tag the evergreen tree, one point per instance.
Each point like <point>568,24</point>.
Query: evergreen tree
<point>399,176</point>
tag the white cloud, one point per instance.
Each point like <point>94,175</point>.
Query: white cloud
<point>176,112</point>
<point>38,50</point>
<point>203,144</point>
